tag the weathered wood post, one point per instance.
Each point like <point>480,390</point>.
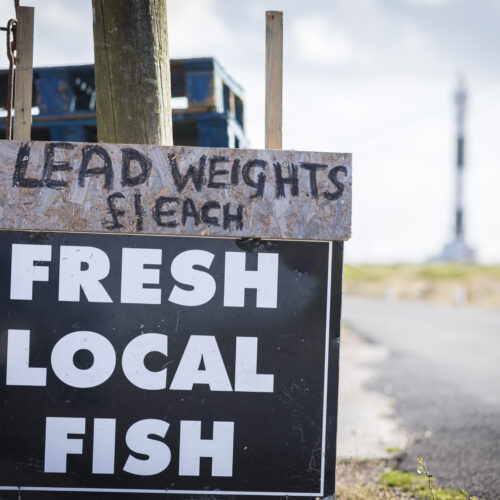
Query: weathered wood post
<point>132,72</point>
<point>24,73</point>
<point>274,79</point>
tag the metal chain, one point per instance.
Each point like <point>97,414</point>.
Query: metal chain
<point>11,49</point>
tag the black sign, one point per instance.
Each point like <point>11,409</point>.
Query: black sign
<point>154,364</point>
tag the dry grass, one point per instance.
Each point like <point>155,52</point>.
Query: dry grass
<point>444,283</point>
<point>361,492</point>
<point>360,481</point>
<point>381,480</point>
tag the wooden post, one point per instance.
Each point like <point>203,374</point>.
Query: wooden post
<point>24,73</point>
<point>274,79</point>
<point>132,72</point>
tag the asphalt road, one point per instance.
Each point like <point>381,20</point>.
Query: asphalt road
<point>443,370</point>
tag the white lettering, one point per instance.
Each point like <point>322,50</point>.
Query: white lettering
<point>19,371</point>
<point>133,361</point>
<point>246,377</point>
<point>101,369</point>
<point>219,449</point>
<point>138,441</point>
<point>201,348</point>
<point>134,276</point>
<point>72,277</point>
<point>23,269</point>
<point>264,280</point>
<point>202,283</point>
<point>57,444</point>
<point>103,458</point>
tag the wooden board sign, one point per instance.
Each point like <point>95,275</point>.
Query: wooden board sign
<point>175,190</point>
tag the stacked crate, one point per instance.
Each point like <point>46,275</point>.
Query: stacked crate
<point>207,105</point>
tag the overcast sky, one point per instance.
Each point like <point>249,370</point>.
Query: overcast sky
<point>371,77</point>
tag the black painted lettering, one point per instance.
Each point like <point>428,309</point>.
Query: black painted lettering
<point>213,172</point>
<point>332,175</point>
<point>237,217</point>
<point>139,212</point>
<point>114,211</point>
<point>205,213</point>
<point>159,212</point>
<point>313,168</point>
<point>50,165</point>
<point>129,156</point>
<point>292,179</point>
<point>189,210</point>
<point>195,174</point>
<point>235,172</point>
<point>261,178</point>
<point>107,168</point>
<point>19,178</point>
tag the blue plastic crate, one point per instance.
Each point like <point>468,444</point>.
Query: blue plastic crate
<point>64,97</point>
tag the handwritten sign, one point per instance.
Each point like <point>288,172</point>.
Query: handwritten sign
<point>175,190</point>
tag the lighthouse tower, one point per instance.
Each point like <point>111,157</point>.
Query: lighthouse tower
<point>457,250</point>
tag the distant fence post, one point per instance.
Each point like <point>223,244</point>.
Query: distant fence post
<point>274,79</point>
<point>24,73</point>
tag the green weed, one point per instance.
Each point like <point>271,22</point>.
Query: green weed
<point>393,449</point>
<point>418,486</point>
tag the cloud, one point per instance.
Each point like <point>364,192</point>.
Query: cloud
<point>431,3</point>
<point>62,32</point>
<point>196,29</point>
<point>318,42</point>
